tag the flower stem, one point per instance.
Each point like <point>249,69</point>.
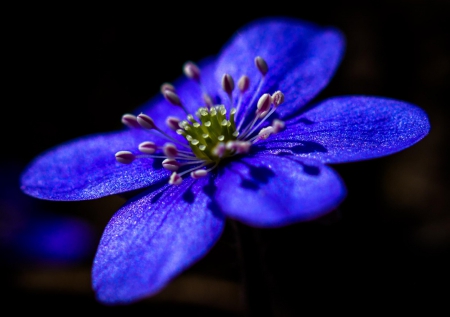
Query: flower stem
<point>254,274</point>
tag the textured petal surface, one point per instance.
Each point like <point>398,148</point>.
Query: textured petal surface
<point>152,239</point>
<point>86,168</point>
<point>271,191</point>
<point>302,57</point>
<point>351,128</point>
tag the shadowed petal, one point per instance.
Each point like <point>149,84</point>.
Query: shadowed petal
<point>271,191</point>
<point>86,168</point>
<point>351,128</point>
<point>152,239</point>
<point>302,57</point>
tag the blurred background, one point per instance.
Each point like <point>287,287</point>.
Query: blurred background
<point>74,70</point>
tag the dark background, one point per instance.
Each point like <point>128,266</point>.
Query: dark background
<point>74,70</point>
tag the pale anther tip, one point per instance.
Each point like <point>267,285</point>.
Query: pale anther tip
<point>124,157</point>
<point>199,173</point>
<point>243,83</point>
<point>261,65</point>
<point>175,179</point>
<point>167,86</point>
<point>227,83</point>
<point>191,70</point>
<point>145,121</point>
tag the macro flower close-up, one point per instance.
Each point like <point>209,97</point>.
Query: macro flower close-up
<point>239,136</point>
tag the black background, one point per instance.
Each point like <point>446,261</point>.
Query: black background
<point>74,70</point>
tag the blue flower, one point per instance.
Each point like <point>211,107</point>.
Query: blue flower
<point>204,150</point>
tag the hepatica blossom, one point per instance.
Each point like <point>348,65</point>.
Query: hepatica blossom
<point>234,137</point>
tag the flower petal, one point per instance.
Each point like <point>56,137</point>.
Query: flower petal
<point>351,128</point>
<point>272,191</point>
<point>152,239</point>
<point>302,57</point>
<point>86,168</point>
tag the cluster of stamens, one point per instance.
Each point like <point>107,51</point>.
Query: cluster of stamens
<point>212,135</point>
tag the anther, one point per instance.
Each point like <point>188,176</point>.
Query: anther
<point>277,125</point>
<point>263,105</point>
<point>219,150</point>
<point>175,179</point>
<point>227,84</point>
<point>242,147</point>
<point>125,157</point>
<point>191,71</point>
<point>173,123</point>
<point>243,83</point>
<point>130,121</point>
<point>172,98</point>
<point>147,147</point>
<point>145,121</point>
<point>261,65</point>
<point>265,133</point>
<point>199,173</point>
<point>167,86</point>
<point>277,98</point>
<point>208,101</point>
<point>171,164</point>
<point>170,150</point>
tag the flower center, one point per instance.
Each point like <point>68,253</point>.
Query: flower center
<point>213,134</point>
<point>207,135</point>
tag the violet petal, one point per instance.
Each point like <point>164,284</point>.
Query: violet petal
<point>153,238</point>
<point>86,168</point>
<point>350,128</point>
<point>272,191</point>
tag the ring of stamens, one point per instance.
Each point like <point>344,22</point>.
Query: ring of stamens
<point>213,134</point>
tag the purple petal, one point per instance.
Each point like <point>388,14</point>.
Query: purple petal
<point>152,239</point>
<point>272,191</point>
<point>351,128</point>
<point>86,168</point>
<point>302,57</point>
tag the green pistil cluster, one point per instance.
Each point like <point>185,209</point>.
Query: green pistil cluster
<point>213,130</point>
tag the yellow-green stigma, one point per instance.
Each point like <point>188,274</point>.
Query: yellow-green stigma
<point>208,136</point>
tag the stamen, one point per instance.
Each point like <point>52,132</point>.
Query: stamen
<point>173,123</point>
<point>146,122</point>
<point>243,83</point>
<point>219,150</point>
<point>199,173</point>
<point>172,97</point>
<point>192,71</point>
<point>228,86</point>
<point>208,101</point>
<point>147,147</point>
<point>171,164</point>
<point>239,147</point>
<point>125,157</point>
<point>263,69</point>
<point>175,179</point>
<point>167,86</point>
<point>261,65</point>
<point>130,120</point>
<point>170,150</point>
<point>277,125</point>
<point>263,105</point>
<point>277,98</point>
<point>265,132</point>
<point>211,135</point>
